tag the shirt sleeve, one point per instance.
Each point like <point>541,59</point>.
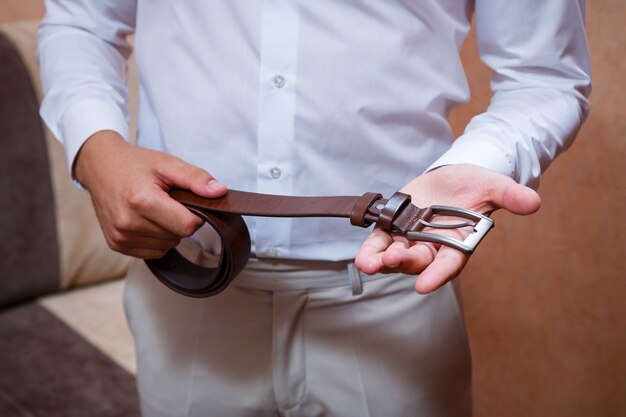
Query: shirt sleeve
<point>82,52</point>
<point>541,80</point>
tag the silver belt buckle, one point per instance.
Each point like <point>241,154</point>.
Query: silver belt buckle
<point>480,225</point>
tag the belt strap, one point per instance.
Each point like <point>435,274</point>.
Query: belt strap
<point>224,214</point>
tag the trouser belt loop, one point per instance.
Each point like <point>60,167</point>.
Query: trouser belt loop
<point>356,280</point>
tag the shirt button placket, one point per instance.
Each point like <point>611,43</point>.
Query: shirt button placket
<point>278,61</point>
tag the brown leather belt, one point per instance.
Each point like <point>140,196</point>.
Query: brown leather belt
<point>395,215</point>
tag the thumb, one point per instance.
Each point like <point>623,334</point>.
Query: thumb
<point>513,197</point>
<point>179,173</point>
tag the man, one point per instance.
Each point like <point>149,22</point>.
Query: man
<point>307,98</point>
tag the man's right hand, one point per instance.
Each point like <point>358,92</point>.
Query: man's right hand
<point>128,187</point>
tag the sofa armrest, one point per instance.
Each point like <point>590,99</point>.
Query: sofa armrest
<point>52,239</point>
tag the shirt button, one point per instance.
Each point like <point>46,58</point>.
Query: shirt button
<point>275,173</point>
<point>279,81</point>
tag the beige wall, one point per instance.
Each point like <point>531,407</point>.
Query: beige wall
<point>11,10</point>
<point>544,295</point>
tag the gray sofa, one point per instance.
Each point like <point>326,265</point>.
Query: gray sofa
<point>65,349</point>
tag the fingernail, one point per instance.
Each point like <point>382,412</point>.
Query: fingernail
<point>215,185</point>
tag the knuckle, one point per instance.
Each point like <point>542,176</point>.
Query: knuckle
<point>114,243</point>
<point>122,221</point>
<point>117,240</point>
<point>175,164</point>
<point>139,199</point>
<point>194,171</point>
<point>202,175</point>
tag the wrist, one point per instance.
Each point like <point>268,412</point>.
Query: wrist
<point>94,150</point>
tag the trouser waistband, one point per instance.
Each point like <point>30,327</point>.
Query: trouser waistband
<point>290,274</point>
<point>280,274</point>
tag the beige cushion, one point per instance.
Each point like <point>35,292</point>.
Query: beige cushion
<point>97,314</point>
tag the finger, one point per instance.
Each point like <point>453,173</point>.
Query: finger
<point>448,264</point>
<point>396,254</point>
<point>145,253</point>
<point>142,228</point>
<point>123,242</point>
<point>148,243</point>
<point>165,212</point>
<point>181,174</point>
<point>369,257</point>
<point>410,259</point>
<point>125,238</point>
<point>514,197</point>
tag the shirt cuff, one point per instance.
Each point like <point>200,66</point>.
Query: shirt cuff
<point>474,148</point>
<point>86,117</point>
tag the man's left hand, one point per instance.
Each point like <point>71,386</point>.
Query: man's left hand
<point>466,186</point>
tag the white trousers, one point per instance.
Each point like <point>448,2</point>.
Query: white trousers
<point>297,339</point>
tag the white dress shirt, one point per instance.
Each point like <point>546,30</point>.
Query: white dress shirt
<point>323,97</point>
